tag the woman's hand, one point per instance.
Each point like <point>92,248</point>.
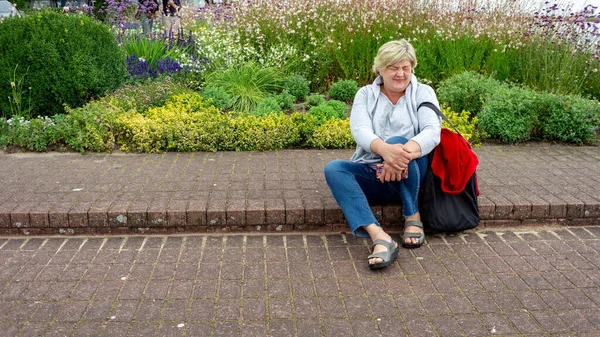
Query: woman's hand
<point>396,156</point>
<point>390,174</point>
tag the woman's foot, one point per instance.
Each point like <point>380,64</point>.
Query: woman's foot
<point>414,235</point>
<point>377,233</point>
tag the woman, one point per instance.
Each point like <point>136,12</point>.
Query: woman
<point>388,130</point>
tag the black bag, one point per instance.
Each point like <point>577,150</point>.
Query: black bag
<point>442,211</point>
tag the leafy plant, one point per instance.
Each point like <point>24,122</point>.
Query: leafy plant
<point>247,84</point>
<point>314,100</point>
<point>463,123</point>
<point>70,59</point>
<point>467,91</point>
<point>297,86</point>
<point>569,119</point>
<point>147,94</point>
<point>328,110</point>
<point>220,99</point>
<point>32,135</point>
<point>151,49</point>
<point>509,115</point>
<point>285,100</point>
<point>333,134</point>
<point>89,128</point>
<point>267,106</point>
<point>343,90</point>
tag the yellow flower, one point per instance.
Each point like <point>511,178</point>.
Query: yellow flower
<point>12,84</point>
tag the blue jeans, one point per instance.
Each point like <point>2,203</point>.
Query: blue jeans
<point>355,186</point>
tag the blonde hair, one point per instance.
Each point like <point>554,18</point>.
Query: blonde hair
<point>394,52</point>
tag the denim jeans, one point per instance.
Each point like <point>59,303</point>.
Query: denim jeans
<point>355,186</point>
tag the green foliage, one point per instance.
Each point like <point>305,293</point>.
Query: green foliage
<point>147,94</point>
<point>297,86</point>
<point>247,84</point>
<point>463,122</point>
<point>314,100</point>
<point>569,119</point>
<point>509,115</point>
<point>151,49</point>
<point>89,128</point>
<point>220,99</point>
<point>270,132</point>
<point>333,134</point>
<point>306,126</point>
<point>545,65</point>
<point>441,58</point>
<point>328,110</point>
<point>32,135</point>
<point>343,90</point>
<point>189,123</point>
<point>285,100</point>
<point>467,91</point>
<point>67,60</point>
<point>267,106</point>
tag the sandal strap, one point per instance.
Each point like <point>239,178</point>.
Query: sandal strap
<point>415,223</point>
<point>382,255</point>
<point>409,235</point>
<point>386,244</point>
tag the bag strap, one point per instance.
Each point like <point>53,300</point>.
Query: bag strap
<point>439,113</point>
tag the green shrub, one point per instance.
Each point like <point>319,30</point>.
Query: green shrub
<point>333,134</point>
<point>220,99</point>
<point>89,128</point>
<point>328,110</point>
<point>314,100</point>
<point>247,84</point>
<point>306,126</point>
<point>33,135</point>
<point>267,106</point>
<point>463,122</point>
<point>189,123</point>
<point>343,90</point>
<point>467,91</point>
<point>509,115</point>
<point>569,119</point>
<point>66,59</point>
<point>146,94</point>
<point>285,100</point>
<point>297,86</point>
<point>272,132</point>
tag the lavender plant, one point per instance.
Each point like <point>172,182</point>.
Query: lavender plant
<point>140,69</point>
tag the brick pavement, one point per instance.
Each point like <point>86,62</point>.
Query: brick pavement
<point>516,282</point>
<point>67,193</point>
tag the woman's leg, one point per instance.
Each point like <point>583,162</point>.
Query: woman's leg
<point>408,189</point>
<point>353,186</point>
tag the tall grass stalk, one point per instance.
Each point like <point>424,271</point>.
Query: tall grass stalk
<point>19,106</point>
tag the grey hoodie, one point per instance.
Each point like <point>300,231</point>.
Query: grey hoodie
<point>366,125</point>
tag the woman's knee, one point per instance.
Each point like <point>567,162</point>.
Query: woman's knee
<point>397,140</point>
<point>334,166</point>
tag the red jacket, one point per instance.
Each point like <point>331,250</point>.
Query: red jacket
<point>454,162</point>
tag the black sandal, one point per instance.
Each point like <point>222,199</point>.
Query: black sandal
<point>388,257</point>
<point>408,235</point>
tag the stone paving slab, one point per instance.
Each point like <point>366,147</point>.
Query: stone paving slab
<point>68,193</point>
<point>517,282</point>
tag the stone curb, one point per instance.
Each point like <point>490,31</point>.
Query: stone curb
<point>533,185</point>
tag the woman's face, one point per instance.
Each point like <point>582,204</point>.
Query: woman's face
<point>396,77</point>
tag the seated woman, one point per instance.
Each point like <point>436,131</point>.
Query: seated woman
<point>388,130</point>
